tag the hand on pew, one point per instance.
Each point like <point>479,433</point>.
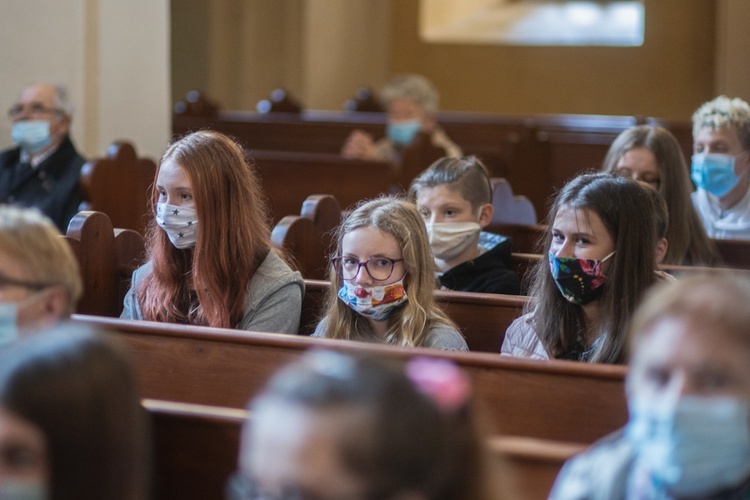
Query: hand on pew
<point>359,146</point>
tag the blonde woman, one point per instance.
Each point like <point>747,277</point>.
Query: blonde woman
<point>383,279</point>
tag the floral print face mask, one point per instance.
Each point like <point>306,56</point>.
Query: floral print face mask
<point>579,280</point>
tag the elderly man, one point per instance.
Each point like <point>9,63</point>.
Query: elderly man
<point>411,102</point>
<point>43,170</point>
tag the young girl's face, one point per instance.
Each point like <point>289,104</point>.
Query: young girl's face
<point>580,233</point>
<point>23,453</point>
<point>174,186</point>
<point>371,257</point>
<point>290,448</point>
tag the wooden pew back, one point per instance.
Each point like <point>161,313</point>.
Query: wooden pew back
<point>556,400</point>
<point>196,450</point>
<point>119,185</point>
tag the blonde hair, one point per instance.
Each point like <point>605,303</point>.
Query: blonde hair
<point>411,323</point>
<point>33,241</point>
<point>716,302</point>
<point>724,112</point>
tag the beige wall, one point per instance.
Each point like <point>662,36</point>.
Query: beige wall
<point>668,76</point>
<point>113,57</point>
<point>322,50</point>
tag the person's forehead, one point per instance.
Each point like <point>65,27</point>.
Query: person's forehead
<point>441,194</point>
<point>37,93</point>
<point>726,133</point>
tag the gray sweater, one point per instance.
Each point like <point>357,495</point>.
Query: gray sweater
<point>272,304</point>
<point>441,336</point>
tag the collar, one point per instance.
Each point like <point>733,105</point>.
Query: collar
<point>37,160</point>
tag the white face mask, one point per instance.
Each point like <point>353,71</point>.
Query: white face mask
<point>23,490</point>
<point>180,224</point>
<point>449,239</point>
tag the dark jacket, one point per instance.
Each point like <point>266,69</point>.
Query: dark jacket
<point>488,273</point>
<point>53,187</point>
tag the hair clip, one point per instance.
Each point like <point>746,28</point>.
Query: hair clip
<point>440,380</point>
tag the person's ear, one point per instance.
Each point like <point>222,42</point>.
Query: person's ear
<point>485,214</point>
<point>45,308</point>
<point>661,250</point>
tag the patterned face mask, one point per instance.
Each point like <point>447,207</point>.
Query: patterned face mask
<point>376,302</point>
<point>180,224</point>
<point>579,280</point>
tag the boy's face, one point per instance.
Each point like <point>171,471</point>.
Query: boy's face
<point>724,140</point>
<point>442,204</point>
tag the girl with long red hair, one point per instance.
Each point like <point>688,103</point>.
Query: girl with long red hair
<point>210,260</point>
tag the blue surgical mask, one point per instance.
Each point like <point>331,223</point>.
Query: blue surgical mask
<point>694,446</point>
<point>714,173</point>
<point>31,135</point>
<point>8,323</point>
<point>403,133</point>
<point>26,490</point>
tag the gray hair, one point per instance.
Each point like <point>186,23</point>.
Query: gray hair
<point>414,87</point>
<point>62,100</point>
<point>724,112</point>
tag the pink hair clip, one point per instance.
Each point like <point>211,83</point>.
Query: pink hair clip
<point>440,380</point>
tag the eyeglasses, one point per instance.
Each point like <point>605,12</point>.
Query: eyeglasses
<point>8,281</point>
<point>379,268</point>
<point>33,109</point>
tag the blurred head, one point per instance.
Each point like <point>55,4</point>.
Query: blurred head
<point>70,418</point>
<point>387,227</point>
<point>411,102</point>
<point>689,385</point>
<point>38,272</point>
<point>41,117</point>
<point>609,218</point>
<point>203,180</point>
<point>340,426</point>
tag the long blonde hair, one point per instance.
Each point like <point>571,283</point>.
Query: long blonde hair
<point>411,323</point>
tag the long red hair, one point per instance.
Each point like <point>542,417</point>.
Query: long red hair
<point>206,285</point>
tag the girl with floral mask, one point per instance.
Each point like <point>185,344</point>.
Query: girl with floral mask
<point>688,435</point>
<point>600,257</point>
<point>382,281</point>
<point>454,198</point>
<point>210,260</point>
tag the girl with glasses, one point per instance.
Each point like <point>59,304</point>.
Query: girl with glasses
<point>382,281</point>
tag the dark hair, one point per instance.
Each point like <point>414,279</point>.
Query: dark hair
<point>688,241</point>
<point>79,390</point>
<point>408,444</point>
<point>467,175</point>
<point>627,211</point>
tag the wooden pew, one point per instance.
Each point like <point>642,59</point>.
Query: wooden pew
<point>119,185</point>
<point>107,258</point>
<point>288,178</point>
<point>196,450</point>
<point>734,253</point>
<point>555,400</point>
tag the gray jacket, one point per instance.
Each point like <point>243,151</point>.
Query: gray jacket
<point>272,304</point>
<point>440,337</point>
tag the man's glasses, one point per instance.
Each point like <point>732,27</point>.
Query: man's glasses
<point>33,109</point>
<point>8,281</point>
<point>379,268</point>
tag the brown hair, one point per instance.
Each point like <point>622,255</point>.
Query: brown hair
<point>407,443</point>
<point>467,175</point>
<point>411,323</point>
<point>233,238</point>
<point>688,242</point>
<point>626,210</point>
<point>79,390</point>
